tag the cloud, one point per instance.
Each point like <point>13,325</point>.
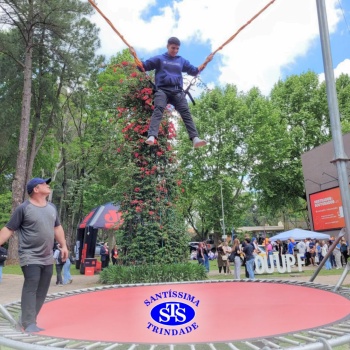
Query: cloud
<point>341,68</point>
<point>287,30</point>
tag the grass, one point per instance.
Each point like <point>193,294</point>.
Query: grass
<point>16,270</point>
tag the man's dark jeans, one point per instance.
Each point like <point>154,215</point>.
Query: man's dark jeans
<point>178,100</point>
<point>37,280</point>
<point>59,268</point>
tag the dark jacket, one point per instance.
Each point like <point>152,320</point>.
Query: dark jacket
<point>168,70</point>
<point>104,254</point>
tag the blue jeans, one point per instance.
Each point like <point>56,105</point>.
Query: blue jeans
<point>250,268</point>
<point>66,272</point>
<point>178,100</point>
<point>328,265</point>
<point>1,272</point>
<point>36,284</point>
<point>206,262</point>
<point>238,264</point>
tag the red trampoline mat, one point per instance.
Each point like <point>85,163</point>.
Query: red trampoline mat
<point>224,311</point>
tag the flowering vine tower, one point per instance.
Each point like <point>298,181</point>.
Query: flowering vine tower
<point>152,231</point>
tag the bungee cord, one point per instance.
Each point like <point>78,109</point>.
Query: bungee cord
<point>207,60</point>
<point>132,51</point>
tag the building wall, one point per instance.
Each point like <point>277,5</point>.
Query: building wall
<point>319,172</point>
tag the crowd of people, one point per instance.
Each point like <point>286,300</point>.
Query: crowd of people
<point>311,251</point>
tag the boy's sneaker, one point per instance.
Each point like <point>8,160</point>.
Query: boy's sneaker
<point>32,328</point>
<point>150,141</point>
<point>197,142</point>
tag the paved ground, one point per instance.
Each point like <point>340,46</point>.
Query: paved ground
<point>11,285</point>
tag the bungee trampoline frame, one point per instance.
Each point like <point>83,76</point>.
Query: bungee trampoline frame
<point>326,337</point>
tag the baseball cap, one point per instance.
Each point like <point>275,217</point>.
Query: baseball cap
<point>35,182</point>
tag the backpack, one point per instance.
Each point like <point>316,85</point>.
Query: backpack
<point>3,254</point>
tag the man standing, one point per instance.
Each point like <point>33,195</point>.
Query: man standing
<point>38,226</point>
<point>301,246</point>
<point>104,252</point>
<point>248,250</point>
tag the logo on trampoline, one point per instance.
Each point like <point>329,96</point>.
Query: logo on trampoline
<point>172,317</point>
<point>172,313</point>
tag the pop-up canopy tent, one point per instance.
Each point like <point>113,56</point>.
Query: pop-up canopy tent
<point>298,234</point>
<point>105,216</point>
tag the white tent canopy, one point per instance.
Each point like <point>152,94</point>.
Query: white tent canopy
<point>298,234</point>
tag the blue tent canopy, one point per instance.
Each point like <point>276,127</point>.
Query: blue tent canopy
<point>299,234</point>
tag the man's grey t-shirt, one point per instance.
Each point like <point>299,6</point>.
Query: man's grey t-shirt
<point>35,226</point>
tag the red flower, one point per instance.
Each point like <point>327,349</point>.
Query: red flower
<point>138,209</point>
<point>133,75</point>
<point>151,212</point>
<point>137,189</point>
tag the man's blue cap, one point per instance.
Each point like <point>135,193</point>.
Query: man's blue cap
<point>35,182</point>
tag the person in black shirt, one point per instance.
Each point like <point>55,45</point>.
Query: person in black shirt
<point>248,250</point>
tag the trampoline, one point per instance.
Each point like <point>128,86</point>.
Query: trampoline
<point>194,315</point>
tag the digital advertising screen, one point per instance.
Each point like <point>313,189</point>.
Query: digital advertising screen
<point>327,210</point>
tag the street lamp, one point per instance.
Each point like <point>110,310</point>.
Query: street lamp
<point>223,216</point>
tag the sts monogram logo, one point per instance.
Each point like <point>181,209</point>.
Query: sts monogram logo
<point>172,313</point>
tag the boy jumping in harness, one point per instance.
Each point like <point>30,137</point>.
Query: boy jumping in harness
<point>168,80</point>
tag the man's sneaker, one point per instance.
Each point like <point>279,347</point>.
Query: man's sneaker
<point>33,328</point>
<point>197,142</point>
<point>150,141</point>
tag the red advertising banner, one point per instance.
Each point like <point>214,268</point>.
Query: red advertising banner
<point>327,210</point>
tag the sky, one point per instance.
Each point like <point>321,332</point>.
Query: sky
<point>284,40</point>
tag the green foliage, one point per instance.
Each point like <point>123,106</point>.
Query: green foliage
<point>5,207</point>
<point>119,274</point>
<point>237,126</point>
<point>299,123</point>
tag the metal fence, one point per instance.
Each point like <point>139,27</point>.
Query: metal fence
<point>321,338</point>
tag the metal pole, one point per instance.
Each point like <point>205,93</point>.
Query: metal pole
<point>222,208</point>
<point>340,158</point>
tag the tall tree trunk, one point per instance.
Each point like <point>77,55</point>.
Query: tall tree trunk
<point>19,182</point>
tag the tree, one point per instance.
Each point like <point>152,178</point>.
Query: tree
<point>302,112</point>
<point>152,230</point>
<point>42,28</point>
<point>236,125</point>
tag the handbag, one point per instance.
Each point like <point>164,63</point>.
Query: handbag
<point>224,257</point>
